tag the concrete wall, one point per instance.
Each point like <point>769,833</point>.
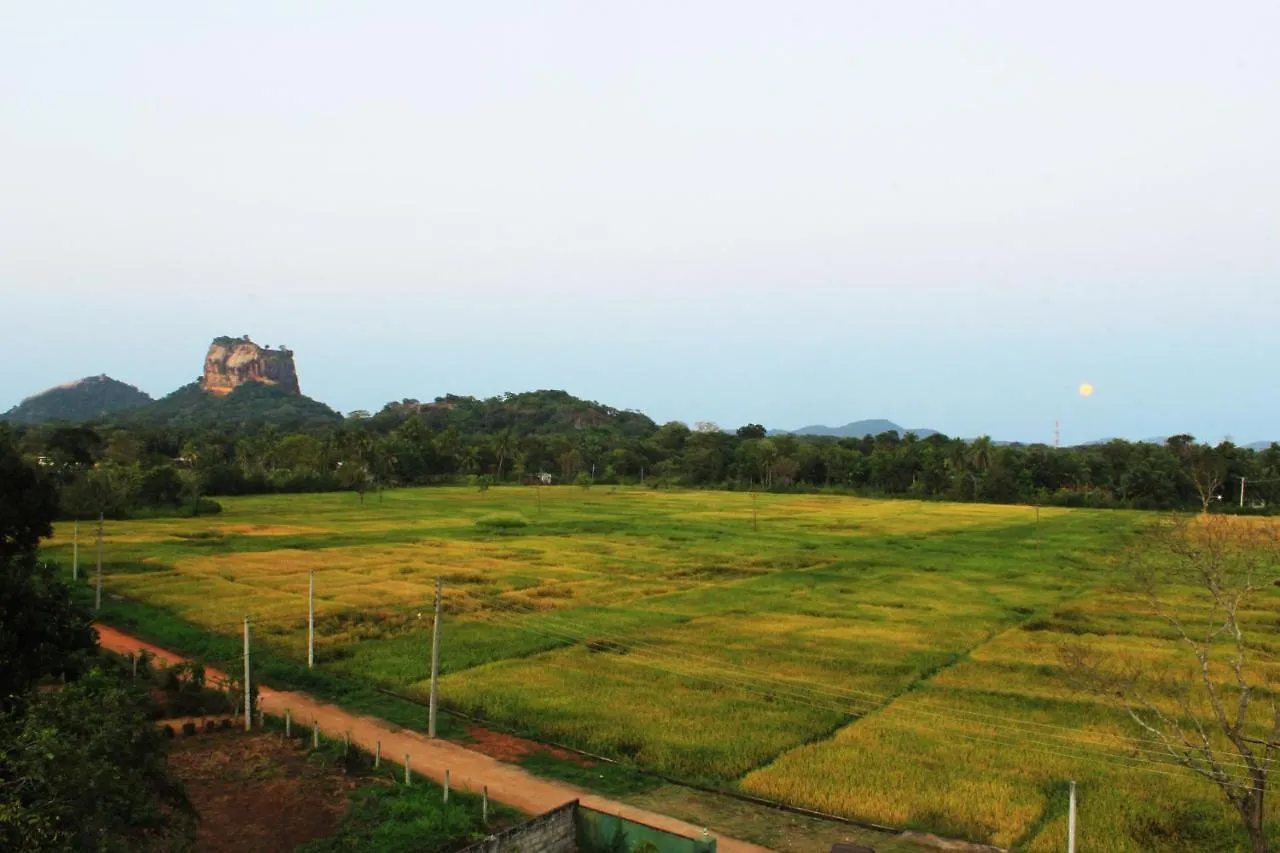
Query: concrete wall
<point>552,832</point>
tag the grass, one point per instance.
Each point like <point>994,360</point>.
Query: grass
<point>386,816</point>
<point>888,661</point>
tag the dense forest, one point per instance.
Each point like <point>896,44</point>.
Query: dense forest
<point>145,465</point>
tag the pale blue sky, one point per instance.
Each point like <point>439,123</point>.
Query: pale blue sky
<point>947,214</point>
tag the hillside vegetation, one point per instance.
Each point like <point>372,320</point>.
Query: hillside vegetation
<point>90,399</point>
<point>251,406</point>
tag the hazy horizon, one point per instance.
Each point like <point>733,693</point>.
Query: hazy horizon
<point>948,216</point>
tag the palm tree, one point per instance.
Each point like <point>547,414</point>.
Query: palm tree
<point>980,453</point>
<point>503,443</point>
<point>470,459</point>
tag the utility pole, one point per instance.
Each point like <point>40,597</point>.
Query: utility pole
<point>311,621</point>
<point>435,665</point>
<point>97,599</point>
<point>75,552</point>
<point>1071,821</point>
<point>1242,481</point>
<point>248,695</point>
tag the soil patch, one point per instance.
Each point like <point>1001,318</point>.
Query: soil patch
<point>511,749</point>
<point>256,792</point>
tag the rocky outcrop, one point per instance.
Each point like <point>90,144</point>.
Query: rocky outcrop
<point>231,362</point>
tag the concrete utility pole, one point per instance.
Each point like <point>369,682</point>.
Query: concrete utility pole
<point>1242,481</point>
<point>248,696</point>
<point>97,598</point>
<point>1071,821</point>
<point>311,621</point>
<point>435,665</point>
<point>75,552</point>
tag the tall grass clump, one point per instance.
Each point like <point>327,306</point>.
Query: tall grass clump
<point>501,521</point>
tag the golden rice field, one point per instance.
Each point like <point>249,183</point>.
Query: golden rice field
<point>890,661</point>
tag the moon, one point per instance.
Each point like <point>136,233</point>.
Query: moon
<point>1086,390</point>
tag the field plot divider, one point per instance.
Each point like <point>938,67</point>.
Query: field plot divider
<point>1015,738</point>
<point>808,693</point>
<point>683,783</point>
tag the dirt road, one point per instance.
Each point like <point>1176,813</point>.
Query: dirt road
<point>468,770</point>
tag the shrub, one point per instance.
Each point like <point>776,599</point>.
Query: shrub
<point>502,521</point>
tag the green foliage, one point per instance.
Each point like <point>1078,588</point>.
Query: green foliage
<point>252,405</point>
<point>84,768</point>
<point>42,630</point>
<point>81,765</point>
<point>107,488</point>
<point>28,500</point>
<point>502,521</point>
<point>610,780</point>
<point>261,439</point>
<point>400,819</point>
<point>90,399</point>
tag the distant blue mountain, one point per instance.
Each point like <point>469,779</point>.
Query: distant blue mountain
<point>858,429</point>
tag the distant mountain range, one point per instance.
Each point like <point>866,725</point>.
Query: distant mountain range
<point>858,429</point>
<point>88,399</point>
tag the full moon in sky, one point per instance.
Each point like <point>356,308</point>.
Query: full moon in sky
<point>1086,390</point>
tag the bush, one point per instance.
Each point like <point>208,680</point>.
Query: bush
<point>502,521</point>
<point>206,506</point>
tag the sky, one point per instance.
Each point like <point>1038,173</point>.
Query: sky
<point>946,214</point>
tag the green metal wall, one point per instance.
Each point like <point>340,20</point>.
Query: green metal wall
<point>599,833</point>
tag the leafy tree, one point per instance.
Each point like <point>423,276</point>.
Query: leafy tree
<point>106,488</point>
<point>42,630</point>
<point>28,501</point>
<point>84,768</point>
<point>76,446</point>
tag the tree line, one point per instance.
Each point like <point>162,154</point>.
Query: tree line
<point>550,435</point>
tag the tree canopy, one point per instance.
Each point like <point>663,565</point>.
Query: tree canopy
<point>117,468</point>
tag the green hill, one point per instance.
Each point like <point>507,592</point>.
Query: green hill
<point>89,399</point>
<point>528,413</point>
<point>248,406</point>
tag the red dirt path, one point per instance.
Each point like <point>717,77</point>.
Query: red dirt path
<point>468,769</point>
